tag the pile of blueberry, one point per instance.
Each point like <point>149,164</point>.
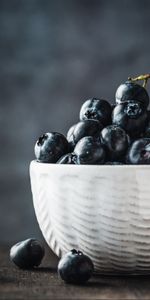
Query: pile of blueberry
<point>106,134</point>
<point>74,267</point>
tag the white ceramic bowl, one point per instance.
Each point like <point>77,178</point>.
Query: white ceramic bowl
<point>102,210</point>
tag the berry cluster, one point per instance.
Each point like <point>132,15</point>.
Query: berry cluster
<point>106,134</point>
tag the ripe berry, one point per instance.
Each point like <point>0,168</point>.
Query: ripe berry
<point>27,254</point>
<point>139,152</point>
<point>89,151</point>
<point>75,267</point>
<point>85,128</point>
<point>115,140</point>
<point>50,147</point>
<point>97,109</point>
<point>131,90</point>
<point>131,116</point>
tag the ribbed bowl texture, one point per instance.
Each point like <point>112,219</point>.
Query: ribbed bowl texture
<point>103,211</point>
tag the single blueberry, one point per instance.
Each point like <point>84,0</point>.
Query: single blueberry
<point>75,267</point>
<point>116,142</point>
<point>85,128</point>
<point>131,90</point>
<point>27,254</point>
<point>50,147</point>
<point>131,116</point>
<point>90,151</point>
<point>139,152</point>
<point>97,109</point>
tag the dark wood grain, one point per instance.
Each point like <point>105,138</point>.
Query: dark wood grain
<point>44,284</point>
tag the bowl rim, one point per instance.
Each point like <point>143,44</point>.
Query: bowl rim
<point>40,165</point>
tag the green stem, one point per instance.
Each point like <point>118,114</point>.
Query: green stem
<point>145,83</point>
<point>144,77</point>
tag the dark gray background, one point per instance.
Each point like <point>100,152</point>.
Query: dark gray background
<point>53,56</point>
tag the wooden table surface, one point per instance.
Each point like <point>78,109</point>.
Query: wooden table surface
<point>44,284</point>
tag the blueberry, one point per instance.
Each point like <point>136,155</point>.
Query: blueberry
<point>69,159</point>
<point>139,152</point>
<point>115,140</point>
<point>27,254</point>
<point>75,267</point>
<point>85,128</point>
<point>131,116</point>
<point>97,109</point>
<point>50,147</point>
<point>89,151</point>
<point>131,90</point>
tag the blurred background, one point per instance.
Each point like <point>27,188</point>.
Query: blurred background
<point>53,56</point>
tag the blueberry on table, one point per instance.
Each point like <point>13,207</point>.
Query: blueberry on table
<point>89,151</point>
<point>69,159</point>
<point>75,267</point>
<point>85,128</point>
<point>115,140</point>
<point>27,254</point>
<point>132,90</point>
<point>50,147</point>
<point>139,152</point>
<point>97,109</point>
<point>131,116</point>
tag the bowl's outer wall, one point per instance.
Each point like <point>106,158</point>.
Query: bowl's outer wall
<point>102,210</point>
